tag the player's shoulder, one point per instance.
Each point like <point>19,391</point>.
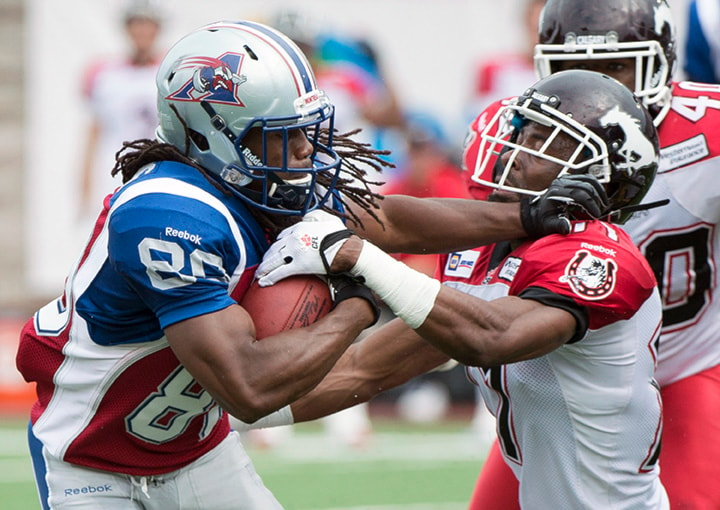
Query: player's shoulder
<point>695,89</point>
<point>169,178</point>
<point>583,231</point>
<point>170,192</point>
<point>694,113</point>
<point>596,264</point>
<point>695,104</point>
<point>589,240</point>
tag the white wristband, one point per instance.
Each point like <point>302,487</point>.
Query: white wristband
<point>280,417</point>
<point>409,294</point>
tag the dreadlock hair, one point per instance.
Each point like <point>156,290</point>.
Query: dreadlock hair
<point>353,184</point>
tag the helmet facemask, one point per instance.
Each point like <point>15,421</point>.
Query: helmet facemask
<point>584,152</point>
<point>592,124</point>
<point>254,179</point>
<point>652,70</point>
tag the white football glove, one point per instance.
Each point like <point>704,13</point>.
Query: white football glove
<point>308,247</point>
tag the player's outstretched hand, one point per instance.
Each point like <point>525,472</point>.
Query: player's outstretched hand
<point>308,247</point>
<point>568,196</point>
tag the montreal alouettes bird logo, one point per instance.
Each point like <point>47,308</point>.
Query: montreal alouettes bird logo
<point>214,80</point>
<point>589,276</point>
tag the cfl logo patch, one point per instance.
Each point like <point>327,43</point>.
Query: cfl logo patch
<point>461,264</point>
<point>310,241</point>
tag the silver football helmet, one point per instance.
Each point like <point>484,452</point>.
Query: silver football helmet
<point>604,128</point>
<point>224,79</point>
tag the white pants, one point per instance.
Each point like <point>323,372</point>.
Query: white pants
<point>224,478</point>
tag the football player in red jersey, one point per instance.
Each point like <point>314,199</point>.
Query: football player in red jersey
<point>560,333</point>
<point>635,43</point>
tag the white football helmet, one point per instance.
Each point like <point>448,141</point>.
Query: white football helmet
<point>228,77</point>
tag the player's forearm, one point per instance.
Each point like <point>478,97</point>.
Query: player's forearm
<point>250,378</point>
<point>290,373</point>
<point>414,225</point>
<point>470,330</point>
<point>333,394</point>
<point>389,357</point>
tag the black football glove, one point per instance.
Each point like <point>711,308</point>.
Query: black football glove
<point>343,286</point>
<point>568,196</point>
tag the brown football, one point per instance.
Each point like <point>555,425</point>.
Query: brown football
<point>294,302</point>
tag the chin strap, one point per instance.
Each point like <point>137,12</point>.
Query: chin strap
<point>284,196</point>
<point>217,121</point>
<point>287,195</point>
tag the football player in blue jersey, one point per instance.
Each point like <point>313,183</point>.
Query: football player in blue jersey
<point>141,360</point>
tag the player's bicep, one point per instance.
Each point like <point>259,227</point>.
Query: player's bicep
<point>536,330</point>
<point>207,343</point>
<point>504,330</point>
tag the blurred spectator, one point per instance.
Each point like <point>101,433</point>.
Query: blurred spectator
<point>702,42</point>
<point>426,170</point>
<point>506,74</point>
<point>349,69</point>
<point>122,100</point>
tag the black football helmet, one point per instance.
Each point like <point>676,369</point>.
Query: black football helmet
<point>610,135</point>
<point>612,29</point>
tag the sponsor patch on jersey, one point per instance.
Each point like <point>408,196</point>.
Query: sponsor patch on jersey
<point>684,153</point>
<point>509,268</point>
<point>461,264</point>
<point>589,276</point>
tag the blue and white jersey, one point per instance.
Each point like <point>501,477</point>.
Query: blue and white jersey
<point>168,246</point>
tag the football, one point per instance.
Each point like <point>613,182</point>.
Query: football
<point>294,302</point>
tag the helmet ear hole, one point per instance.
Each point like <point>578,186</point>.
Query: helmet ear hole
<point>199,140</point>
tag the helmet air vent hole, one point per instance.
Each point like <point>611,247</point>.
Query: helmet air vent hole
<point>250,52</point>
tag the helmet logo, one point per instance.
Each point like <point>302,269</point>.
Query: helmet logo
<point>214,80</point>
<point>636,150</point>
<point>589,276</point>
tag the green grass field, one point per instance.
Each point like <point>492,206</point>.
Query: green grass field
<point>405,467</point>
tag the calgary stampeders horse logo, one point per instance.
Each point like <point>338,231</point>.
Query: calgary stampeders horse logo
<point>214,80</point>
<point>589,276</point>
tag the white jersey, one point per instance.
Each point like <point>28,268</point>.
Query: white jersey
<point>680,240</point>
<point>580,426</point>
<point>123,101</point>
